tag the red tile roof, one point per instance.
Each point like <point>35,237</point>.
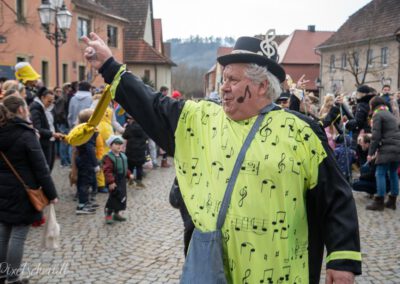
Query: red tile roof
<point>140,52</point>
<point>379,18</point>
<point>297,70</point>
<point>224,50</point>
<point>299,47</point>
<point>97,7</point>
<point>135,11</point>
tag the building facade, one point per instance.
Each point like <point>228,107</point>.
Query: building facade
<point>22,39</point>
<point>364,50</point>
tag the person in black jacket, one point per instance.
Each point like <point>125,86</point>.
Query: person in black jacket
<point>43,121</point>
<point>205,140</point>
<point>136,148</point>
<point>18,142</point>
<point>385,149</point>
<point>360,121</point>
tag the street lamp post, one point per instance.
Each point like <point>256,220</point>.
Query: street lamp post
<point>54,12</point>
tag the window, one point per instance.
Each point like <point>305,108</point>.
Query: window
<point>45,73</point>
<point>21,59</point>
<point>112,36</point>
<point>20,10</point>
<point>83,28</point>
<point>147,74</point>
<point>332,63</point>
<point>65,72</point>
<point>82,73</point>
<point>344,61</point>
<point>356,60</point>
<point>370,57</point>
<point>384,56</point>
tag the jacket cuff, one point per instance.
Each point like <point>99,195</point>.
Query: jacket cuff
<point>345,261</point>
<point>109,69</point>
<point>345,265</point>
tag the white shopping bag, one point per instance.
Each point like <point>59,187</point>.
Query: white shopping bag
<point>51,234</point>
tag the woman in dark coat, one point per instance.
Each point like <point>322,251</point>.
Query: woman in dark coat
<point>385,143</point>
<point>43,120</point>
<point>136,148</point>
<point>19,143</point>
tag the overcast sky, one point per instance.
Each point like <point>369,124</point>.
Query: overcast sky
<point>182,18</point>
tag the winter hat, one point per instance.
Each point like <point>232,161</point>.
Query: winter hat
<point>283,97</point>
<point>263,52</point>
<point>176,94</point>
<point>114,139</point>
<point>364,89</point>
<point>25,72</point>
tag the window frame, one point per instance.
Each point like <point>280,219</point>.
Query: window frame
<point>79,27</point>
<point>112,42</point>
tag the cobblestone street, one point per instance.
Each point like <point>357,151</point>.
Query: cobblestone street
<point>148,247</point>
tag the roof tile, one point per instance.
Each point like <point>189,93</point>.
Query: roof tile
<point>376,19</point>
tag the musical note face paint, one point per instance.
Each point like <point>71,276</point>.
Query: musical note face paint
<point>247,92</point>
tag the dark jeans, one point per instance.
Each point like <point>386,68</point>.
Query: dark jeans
<point>64,148</point>
<point>12,240</point>
<point>139,169</point>
<point>86,179</point>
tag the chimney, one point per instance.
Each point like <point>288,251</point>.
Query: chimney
<point>311,28</point>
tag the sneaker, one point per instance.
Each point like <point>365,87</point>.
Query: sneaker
<point>140,184</point>
<point>93,205</point>
<point>102,190</point>
<point>119,218</point>
<point>109,219</point>
<point>85,210</point>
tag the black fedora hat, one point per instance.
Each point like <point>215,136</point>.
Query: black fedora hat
<point>255,50</point>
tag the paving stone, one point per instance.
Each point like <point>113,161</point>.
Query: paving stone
<point>148,248</point>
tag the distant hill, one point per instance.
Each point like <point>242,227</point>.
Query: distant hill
<point>197,51</point>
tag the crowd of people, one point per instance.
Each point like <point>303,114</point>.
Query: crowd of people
<point>362,129</point>
<point>274,169</point>
<point>33,123</point>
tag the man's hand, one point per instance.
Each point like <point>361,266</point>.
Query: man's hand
<point>339,277</point>
<point>301,83</point>
<point>96,52</point>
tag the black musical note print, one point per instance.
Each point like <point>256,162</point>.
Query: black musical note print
<point>281,164</point>
<point>289,123</point>
<point>204,118</point>
<point>250,167</point>
<point>230,153</point>
<point>246,276</point>
<point>267,276</point>
<point>286,275</point>
<point>243,195</point>
<point>279,222</point>
<point>265,131</point>
<point>218,167</point>
<point>268,183</point>
<point>226,237</point>
<point>295,166</point>
<point>247,245</point>
<point>189,132</point>
<point>276,142</point>
<point>214,132</point>
<point>232,265</point>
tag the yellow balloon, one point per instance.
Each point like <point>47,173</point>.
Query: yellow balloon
<point>81,133</point>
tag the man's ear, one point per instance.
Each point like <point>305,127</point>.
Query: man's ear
<point>263,88</point>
